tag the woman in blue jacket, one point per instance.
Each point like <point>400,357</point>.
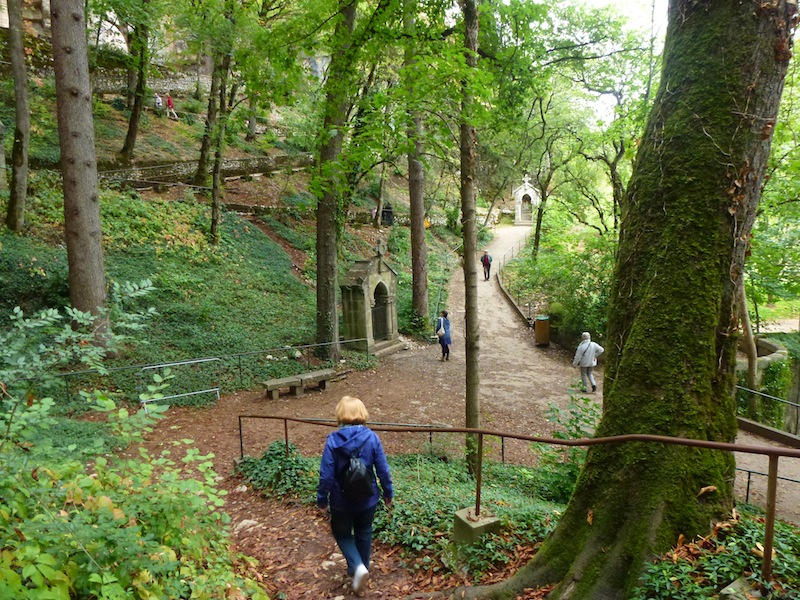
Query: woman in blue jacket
<point>351,522</point>
<point>443,332</point>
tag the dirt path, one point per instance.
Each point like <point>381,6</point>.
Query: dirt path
<point>298,557</point>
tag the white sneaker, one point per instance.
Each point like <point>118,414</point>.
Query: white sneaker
<point>360,580</point>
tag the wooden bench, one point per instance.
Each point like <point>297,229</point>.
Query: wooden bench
<point>274,386</point>
<point>298,383</point>
<point>319,378</point>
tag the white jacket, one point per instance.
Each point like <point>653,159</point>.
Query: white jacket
<point>587,353</point>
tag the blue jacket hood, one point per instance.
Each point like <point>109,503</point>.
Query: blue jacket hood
<point>349,438</point>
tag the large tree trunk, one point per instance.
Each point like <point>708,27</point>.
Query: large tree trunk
<point>140,43</point>
<point>87,287</point>
<point>15,216</point>
<point>416,189</point>
<point>469,192</point>
<point>331,177</point>
<point>671,350</point>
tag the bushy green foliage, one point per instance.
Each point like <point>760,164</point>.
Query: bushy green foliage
<point>715,562</point>
<point>277,473</point>
<point>574,272</point>
<point>560,466</point>
<point>32,276</point>
<point>43,149</point>
<point>419,521</point>
<point>140,527</point>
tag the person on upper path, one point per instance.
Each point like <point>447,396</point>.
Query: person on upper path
<point>351,520</point>
<point>586,358</point>
<point>486,261</point>
<point>171,108</point>
<point>443,333</point>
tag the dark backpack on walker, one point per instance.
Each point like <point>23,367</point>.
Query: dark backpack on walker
<point>356,480</point>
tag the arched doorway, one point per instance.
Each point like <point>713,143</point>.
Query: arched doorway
<point>526,210</point>
<point>380,312</point>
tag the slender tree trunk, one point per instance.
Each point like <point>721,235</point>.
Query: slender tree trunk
<point>671,341</point>
<point>140,41</point>
<point>750,350</point>
<point>87,287</point>
<point>416,190</point>
<point>537,231</point>
<point>15,216</point>
<point>337,89</point>
<point>3,175</point>
<point>219,147</point>
<point>201,176</point>
<point>469,192</point>
<point>252,121</point>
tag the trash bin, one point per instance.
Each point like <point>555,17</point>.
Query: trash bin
<point>541,331</point>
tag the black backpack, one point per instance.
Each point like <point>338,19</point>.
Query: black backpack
<point>356,480</point>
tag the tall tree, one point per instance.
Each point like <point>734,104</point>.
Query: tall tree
<point>469,194</point>
<point>338,87</point>
<point>15,216</point>
<point>416,183</point>
<point>3,176</point>
<point>686,219</point>
<point>139,18</point>
<point>87,287</point>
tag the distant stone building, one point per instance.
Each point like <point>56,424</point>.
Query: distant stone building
<point>35,15</point>
<point>526,199</point>
<point>369,303</point>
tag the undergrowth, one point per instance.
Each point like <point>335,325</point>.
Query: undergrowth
<point>419,521</point>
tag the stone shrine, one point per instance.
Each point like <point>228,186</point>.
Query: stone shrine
<point>369,303</point>
<point>526,199</point>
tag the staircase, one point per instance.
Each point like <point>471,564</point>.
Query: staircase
<point>385,347</point>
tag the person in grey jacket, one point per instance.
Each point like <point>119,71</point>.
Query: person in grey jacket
<point>586,358</point>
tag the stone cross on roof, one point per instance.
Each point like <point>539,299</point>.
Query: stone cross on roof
<point>526,180</point>
<point>380,248</point>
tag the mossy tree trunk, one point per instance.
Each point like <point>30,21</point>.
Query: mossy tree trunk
<point>686,218</point>
<point>416,179</point>
<point>331,178</point>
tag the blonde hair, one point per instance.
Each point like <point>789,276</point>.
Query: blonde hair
<point>351,411</point>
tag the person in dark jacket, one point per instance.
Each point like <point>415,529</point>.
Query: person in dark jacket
<point>443,333</point>
<point>351,522</point>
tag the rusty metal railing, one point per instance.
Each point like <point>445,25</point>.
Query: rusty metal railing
<point>772,477</point>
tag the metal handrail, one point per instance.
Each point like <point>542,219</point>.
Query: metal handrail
<point>763,395</point>
<point>772,452</point>
<point>236,357</point>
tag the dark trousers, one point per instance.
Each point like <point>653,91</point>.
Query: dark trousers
<point>353,534</point>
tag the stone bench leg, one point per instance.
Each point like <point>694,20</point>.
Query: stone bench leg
<point>297,390</point>
<point>323,385</point>
<point>273,394</point>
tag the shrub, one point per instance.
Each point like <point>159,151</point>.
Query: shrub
<point>560,466</point>
<point>143,527</point>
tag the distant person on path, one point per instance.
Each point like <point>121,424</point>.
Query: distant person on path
<point>443,333</point>
<point>351,520</point>
<point>158,104</point>
<point>486,261</point>
<point>171,108</point>
<point>586,358</point>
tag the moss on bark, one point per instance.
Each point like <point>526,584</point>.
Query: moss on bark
<point>686,218</point>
